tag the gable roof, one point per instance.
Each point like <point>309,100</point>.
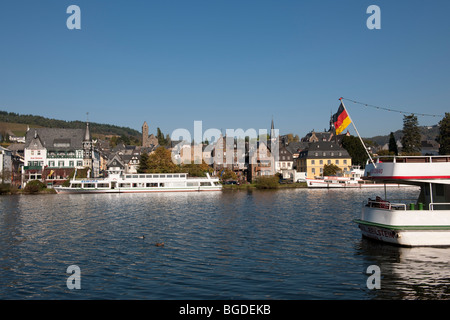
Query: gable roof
<point>56,138</point>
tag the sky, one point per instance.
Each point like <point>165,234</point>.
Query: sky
<point>228,63</point>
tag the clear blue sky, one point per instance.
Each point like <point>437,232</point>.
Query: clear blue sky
<point>230,63</point>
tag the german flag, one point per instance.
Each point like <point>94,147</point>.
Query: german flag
<point>341,119</point>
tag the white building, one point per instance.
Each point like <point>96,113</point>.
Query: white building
<point>5,165</point>
<point>51,154</point>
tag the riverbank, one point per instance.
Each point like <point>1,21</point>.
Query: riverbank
<point>226,187</point>
<point>6,189</point>
<point>252,186</point>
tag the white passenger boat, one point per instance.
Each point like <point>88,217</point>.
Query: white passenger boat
<point>353,181</point>
<point>424,222</point>
<point>118,182</point>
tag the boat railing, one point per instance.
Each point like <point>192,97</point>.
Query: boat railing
<point>412,159</point>
<point>432,204</point>
<point>385,204</point>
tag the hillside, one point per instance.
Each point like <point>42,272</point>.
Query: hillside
<point>17,123</point>
<point>427,133</point>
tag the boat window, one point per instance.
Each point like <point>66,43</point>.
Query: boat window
<point>161,184</point>
<point>103,185</point>
<point>148,176</point>
<point>76,185</point>
<point>203,184</point>
<point>152,185</point>
<point>176,175</point>
<point>169,176</point>
<point>89,185</point>
<point>440,190</point>
<point>192,184</point>
<point>135,176</point>
<point>128,176</point>
<point>162,176</point>
<point>124,185</point>
<point>156,176</point>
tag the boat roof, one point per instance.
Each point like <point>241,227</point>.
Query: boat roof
<point>410,169</point>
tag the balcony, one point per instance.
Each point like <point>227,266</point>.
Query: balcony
<point>32,167</point>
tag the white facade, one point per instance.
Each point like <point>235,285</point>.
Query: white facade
<point>5,165</point>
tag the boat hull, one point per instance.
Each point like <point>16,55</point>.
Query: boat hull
<point>323,184</point>
<point>409,228</point>
<point>65,190</point>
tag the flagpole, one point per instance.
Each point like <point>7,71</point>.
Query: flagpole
<point>367,151</point>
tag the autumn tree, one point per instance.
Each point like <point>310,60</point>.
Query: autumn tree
<point>330,169</point>
<point>160,161</point>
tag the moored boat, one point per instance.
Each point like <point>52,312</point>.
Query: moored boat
<point>118,182</point>
<point>354,180</point>
<point>422,222</point>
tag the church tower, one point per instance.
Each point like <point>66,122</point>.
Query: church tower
<point>145,142</point>
<point>87,148</point>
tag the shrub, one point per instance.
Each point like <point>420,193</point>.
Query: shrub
<point>34,186</point>
<point>270,182</point>
<point>5,188</point>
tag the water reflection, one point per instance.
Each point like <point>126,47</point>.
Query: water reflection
<point>286,244</point>
<point>409,273</point>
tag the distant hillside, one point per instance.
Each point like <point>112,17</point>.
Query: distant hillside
<point>39,121</point>
<point>427,133</point>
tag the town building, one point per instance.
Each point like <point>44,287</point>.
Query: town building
<point>285,163</point>
<point>317,154</point>
<point>52,154</point>
<point>261,161</point>
<point>5,165</point>
<point>148,140</point>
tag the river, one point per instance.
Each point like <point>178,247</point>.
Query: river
<point>285,244</point>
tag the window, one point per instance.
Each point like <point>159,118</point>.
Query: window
<point>51,163</point>
<point>324,154</point>
<point>321,162</point>
<point>337,161</point>
<point>60,163</point>
<point>79,163</point>
<point>329,162</point>
<point>440,190</point>
<point>32,152</point>
<point>345,161</point>
<point>313,170</point>
<point>71,164</point>
<point>313,161</point>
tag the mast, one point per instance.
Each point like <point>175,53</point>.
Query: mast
<point>367,151</point>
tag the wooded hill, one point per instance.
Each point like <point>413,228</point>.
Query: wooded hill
<point>426,132</point>
<point>39,121</point>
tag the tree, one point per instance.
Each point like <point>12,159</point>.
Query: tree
<point>160,161</point>
<point>411,135</point>
<point>444,135</point>
<point>143,163</point>
<point>160,136</point>
<point>393,144</point>
<point>330,170</point>
<point>355,149</point>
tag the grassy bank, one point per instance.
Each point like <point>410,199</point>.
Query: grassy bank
<point>31,188</point>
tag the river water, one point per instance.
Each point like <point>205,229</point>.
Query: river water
<point>284,244</point>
